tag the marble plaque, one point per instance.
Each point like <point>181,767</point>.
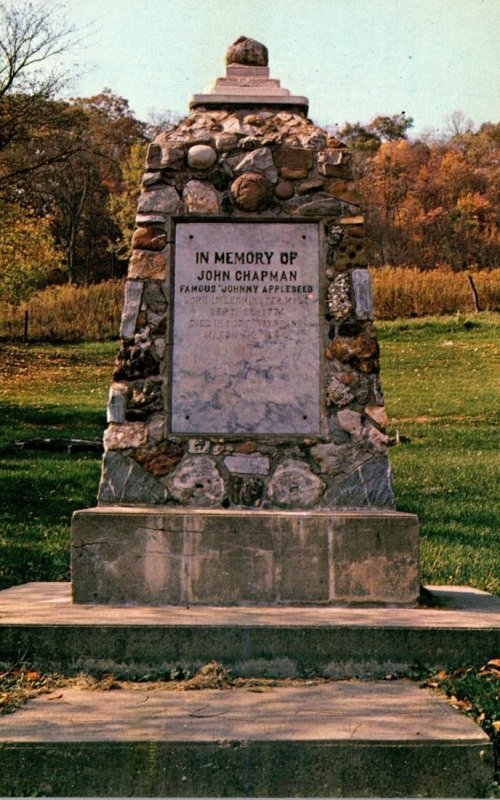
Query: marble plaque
<point>246,347</point>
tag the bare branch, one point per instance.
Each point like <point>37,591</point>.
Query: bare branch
<point>31,37</point>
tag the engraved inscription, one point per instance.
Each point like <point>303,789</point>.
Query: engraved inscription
<point>246,328</point>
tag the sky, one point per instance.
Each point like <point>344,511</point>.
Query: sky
<point>353,59</point>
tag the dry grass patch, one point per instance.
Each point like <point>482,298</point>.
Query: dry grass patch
<point>408,292</point>
<point>84,313</point>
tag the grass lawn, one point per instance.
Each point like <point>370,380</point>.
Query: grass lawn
<point>56,392</point>
<point>441,382</point>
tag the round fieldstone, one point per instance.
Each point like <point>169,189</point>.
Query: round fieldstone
<point>251,192</point>
<point>201,156</point>
<point>196,481</point>
<point>247,51</point>
<point>293,485</point>
<point>284,190</point>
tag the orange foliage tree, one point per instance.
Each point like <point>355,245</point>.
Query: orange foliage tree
<point>430,203</point>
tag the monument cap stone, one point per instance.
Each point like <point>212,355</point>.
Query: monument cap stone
<point>247,51</point>
<point>247,82</point>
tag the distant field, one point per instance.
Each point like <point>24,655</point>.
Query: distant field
<point>79,313</point>
<point>442,383</point>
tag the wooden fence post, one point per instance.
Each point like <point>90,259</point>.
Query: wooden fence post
<point>475,296</point>
<point>26,325</point>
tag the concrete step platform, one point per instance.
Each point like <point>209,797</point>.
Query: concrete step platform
<point>40,624</point>
<point>336,739</point>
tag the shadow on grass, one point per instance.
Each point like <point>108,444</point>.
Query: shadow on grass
<point>35,560</point>
<point>457,526</point>
<point>24,422</point>
<point>40,492</point>
<point>46,488</point>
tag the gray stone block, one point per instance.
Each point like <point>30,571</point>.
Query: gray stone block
<point>322,205</point>
<point>377,478</point>
<point>254,464</point>
<point>131,308</point>
<point>116,407</point>
<point>164,200</point>
<point>349,492</point>
<point>362,293</point>
<point>334,459</point>
<point>125,435</point>
<point>124,481</point>
<point>150,219</point>
<point>151,178</point>
<point>200,198</point>
<point>158,556</point>
<point>260,160</point>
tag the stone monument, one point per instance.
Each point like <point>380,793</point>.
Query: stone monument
<point>245,458</point>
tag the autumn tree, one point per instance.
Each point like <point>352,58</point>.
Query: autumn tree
<point>386,185</point>
<point>61,159</point>
<point>76,193</point>
<point>28,254</point>
<point>436,203</point>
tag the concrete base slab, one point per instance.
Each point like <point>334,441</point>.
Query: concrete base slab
<point>335,739</point>
<point>154,556</point>
<point>40,624</point>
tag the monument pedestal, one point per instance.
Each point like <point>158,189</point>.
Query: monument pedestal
<point>154,556</point>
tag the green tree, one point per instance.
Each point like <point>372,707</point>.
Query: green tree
<point>123,203</point>
<point>367,138</point>
<point>392,128</point>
